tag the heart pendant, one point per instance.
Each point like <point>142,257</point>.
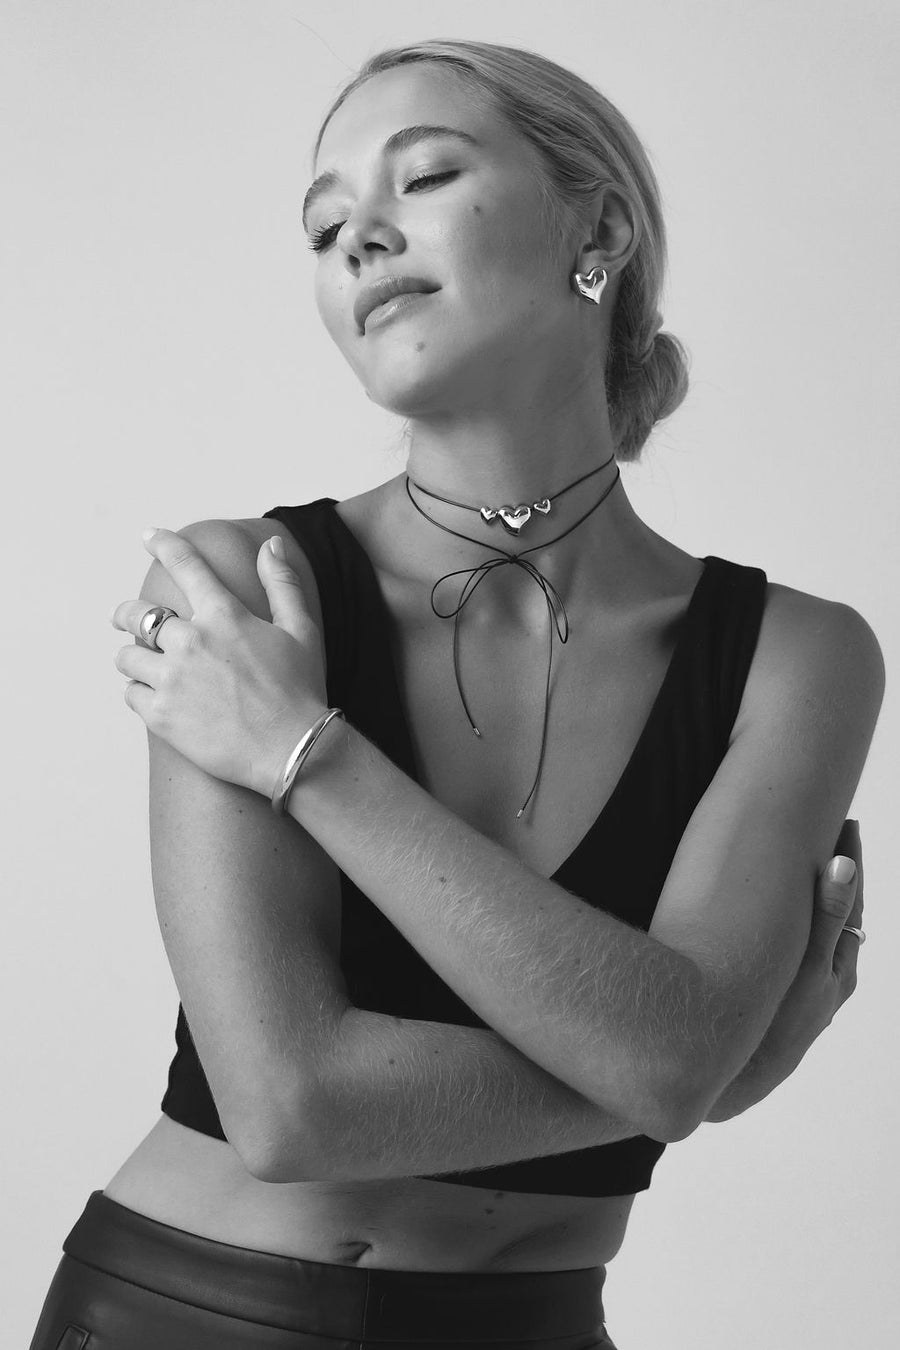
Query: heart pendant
<point>488,513</point>
<point>542,506</point>
<point>514,518</point>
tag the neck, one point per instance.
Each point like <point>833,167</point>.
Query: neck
<point>485,462</point>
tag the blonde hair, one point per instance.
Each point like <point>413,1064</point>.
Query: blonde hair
<point>583,142</point>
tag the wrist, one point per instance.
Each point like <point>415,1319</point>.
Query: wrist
<point>283,737</point>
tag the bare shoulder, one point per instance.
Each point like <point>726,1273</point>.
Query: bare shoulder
<point>816,649</point>
<point>231,548</point>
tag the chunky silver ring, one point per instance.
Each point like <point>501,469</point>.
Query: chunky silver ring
<point>152,622</point>
<point>857,932</point>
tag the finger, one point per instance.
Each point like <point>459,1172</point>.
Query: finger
<point>833,902</point>
<point>850,844</point>
<point>127,617</point>
<point>848,837</point>
<point>284,589</point>
<point>856,913</point>
<point>844,961</point>
<point>139,663</point>
<point>189,570</point>
<point>140,699</point>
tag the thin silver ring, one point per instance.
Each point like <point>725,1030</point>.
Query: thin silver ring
<point>857,932</point>
<point>152,622</point>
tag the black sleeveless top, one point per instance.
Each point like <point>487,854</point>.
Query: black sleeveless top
<point>637,834</point>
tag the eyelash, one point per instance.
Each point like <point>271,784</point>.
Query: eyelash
<point>322,238</point>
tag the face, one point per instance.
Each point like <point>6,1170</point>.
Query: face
<point>464,217</point>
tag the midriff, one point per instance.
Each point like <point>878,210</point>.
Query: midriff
<point>199,1184</point>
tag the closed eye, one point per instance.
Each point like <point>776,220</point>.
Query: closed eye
<point>322,238</point>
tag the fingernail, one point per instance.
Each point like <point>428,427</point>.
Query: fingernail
<point>148,534</point>
<point>841,870</point>
<point>276,546</point>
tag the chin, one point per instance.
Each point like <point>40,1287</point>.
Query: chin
<point>413,383</point>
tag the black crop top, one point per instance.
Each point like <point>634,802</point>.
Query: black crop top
<point>637,834</point>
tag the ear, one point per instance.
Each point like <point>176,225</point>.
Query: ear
<point>613,232</point>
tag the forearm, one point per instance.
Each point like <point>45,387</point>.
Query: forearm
<point>606,1008</point>
<point>404,1098</point>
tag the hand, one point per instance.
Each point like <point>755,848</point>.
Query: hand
<point>824,981</point>
<point>827,974</point>
<point>229,691</point>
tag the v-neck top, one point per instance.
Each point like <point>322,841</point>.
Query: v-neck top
<point>631,844</point>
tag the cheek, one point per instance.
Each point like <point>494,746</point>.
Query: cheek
<point>329,303</point>
<point>505,271</point>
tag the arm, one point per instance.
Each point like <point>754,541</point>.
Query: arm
<point>824,982</point>
<point>377,1123</point>
<point>651,1026</point>
<point>288,1085</point>
<point>249,912</point>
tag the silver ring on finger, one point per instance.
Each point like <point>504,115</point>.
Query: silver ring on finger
<point>152,622</point>
<point>857,932</point>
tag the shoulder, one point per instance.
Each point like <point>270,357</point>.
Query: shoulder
<point>231,547</point>
<point>813,654</point>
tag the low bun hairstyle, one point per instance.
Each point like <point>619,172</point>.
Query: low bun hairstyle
<point>583,142</point>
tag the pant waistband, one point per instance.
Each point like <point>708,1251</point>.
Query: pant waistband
<point>347,1301</point>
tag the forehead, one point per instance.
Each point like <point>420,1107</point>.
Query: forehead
<point>420,92</point>
<point>388,113</point>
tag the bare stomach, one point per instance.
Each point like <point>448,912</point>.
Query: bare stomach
<point>193,1182</point>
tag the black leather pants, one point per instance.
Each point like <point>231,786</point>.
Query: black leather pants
<point>126,1282</point>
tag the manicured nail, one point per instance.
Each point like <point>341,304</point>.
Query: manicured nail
<point>842,870</point>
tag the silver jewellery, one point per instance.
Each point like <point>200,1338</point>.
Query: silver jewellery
<point>148,628</point>
<point>589,285</point>
<point>857,932</point>
<point>296,759</point>
<point>152,622</point>
<point>477,574</point>
<point>513,518</point>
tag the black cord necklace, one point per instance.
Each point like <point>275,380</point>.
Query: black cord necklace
<point>514,519</point>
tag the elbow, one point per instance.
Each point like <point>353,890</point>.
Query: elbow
<point>665,1107</point>
<point>284,1145</point>
<point>689,1099</point>
<point>694,1079</point>
<point>676,1114</point>
<point>676,1122</point>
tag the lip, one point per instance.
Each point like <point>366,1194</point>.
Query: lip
<point>386,288</point>
<point>396,305</point>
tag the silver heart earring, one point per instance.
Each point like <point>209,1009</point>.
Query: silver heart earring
<point>588,284</point>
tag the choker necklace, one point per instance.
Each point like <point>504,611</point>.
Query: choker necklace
<point>514,519</point>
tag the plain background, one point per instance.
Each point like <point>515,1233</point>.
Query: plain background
<point>164,363</point>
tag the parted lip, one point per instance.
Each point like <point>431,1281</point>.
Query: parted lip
<point>370,297</point>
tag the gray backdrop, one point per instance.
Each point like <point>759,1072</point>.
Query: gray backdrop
<point>165,363</point>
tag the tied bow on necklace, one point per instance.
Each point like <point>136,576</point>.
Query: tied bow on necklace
<point>513,520</point>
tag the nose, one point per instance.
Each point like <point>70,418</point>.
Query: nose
<point>368,230</point>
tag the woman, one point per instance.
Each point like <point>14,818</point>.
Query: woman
<point>438,1063</point>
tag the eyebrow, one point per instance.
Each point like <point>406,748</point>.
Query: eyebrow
<point>399,141</point>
